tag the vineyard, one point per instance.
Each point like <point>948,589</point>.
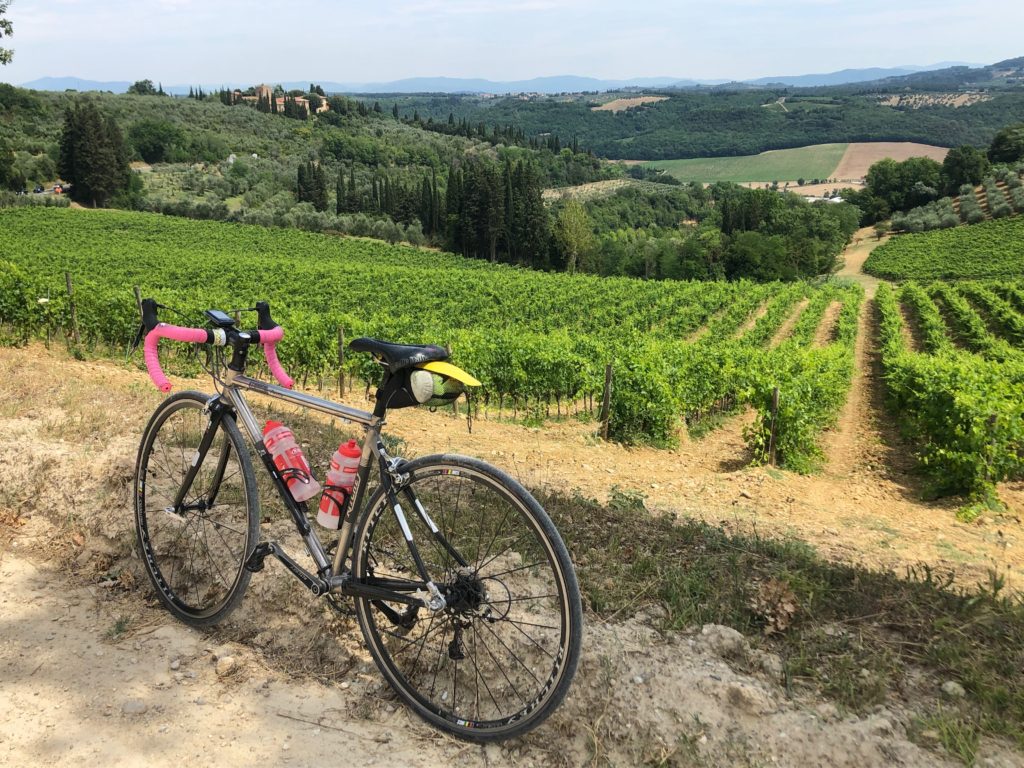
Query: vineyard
<point>987,250</point>
<point>954,368</point>
<point>538,342</point>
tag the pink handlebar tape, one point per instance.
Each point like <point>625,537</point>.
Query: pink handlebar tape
<point>200,336</point>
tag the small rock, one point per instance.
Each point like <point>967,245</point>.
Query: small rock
<point>226,665</point>
<point>134,707</point>
<point>344,686</point>
<point>638,679</point>
<point>827,711</point>
<point>771,664</point>
<point>749,699</point>
<point>953,690</point>
<point>724,641</point>
<point>176,664</point>
<point>745,493</point>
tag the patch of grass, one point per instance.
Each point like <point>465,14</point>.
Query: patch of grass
<point>853,632</point>
<point>813,162</point>
<point>703,427</point>
<point>958,735</point>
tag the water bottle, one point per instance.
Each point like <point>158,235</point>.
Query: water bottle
<point>338,486</point>
<point>290,461</point>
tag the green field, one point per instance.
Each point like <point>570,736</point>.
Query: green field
<point>814,162</point>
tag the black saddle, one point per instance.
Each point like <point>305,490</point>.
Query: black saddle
<point>399,356</point>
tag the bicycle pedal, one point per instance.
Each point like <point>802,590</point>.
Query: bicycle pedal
<point>255,562</point>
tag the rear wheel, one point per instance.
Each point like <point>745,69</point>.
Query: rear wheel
<point>499,658</point>
<point>195,555</point>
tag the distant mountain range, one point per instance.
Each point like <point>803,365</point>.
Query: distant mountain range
<point>549,85</point>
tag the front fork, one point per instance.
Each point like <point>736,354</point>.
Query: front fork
<point>215,409</point>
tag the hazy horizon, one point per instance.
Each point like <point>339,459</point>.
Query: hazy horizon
<point>187,41</point>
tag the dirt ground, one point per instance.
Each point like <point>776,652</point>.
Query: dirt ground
<point>621,105</point>
<point>94,672</point>
<point>860,156</point>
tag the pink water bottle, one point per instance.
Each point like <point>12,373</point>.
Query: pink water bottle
<point>338,486</point>
<point>290,461</point>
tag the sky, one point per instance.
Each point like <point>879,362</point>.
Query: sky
<point>213,42</point>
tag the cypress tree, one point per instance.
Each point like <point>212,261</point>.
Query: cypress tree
<point>302,184</point>
<point>426,206</point>
<point>394,111</point>
<point>93,156</point>
<point>352,199</point>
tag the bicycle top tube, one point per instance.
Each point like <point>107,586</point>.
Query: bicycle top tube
<point>331,408</point>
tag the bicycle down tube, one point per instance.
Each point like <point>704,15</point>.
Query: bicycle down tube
<point>333,573</point>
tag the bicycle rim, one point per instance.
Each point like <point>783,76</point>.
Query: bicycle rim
<point>499,658</point>
<point>195,556</point>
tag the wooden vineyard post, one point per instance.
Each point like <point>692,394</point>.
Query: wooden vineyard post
<point>138,305</point>
<point>341,361</point>
<point>772,434</point>
<point>71,305</point>
<point>606,401</point>
<point>455,402</point>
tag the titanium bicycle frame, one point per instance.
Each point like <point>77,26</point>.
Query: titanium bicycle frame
<point>330,576</point>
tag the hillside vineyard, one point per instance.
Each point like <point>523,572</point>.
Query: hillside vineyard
<point>679,350</point>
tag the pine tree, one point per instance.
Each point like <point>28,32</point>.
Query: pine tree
<point>394,111</point>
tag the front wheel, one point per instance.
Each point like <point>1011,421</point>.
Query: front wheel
<point>195,553</point>
<point>499,658</point>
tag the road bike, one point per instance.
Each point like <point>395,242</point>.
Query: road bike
<point>462,586</point>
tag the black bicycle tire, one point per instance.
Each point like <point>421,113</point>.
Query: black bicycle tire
<point>563,569</point>
<point>165,593</point>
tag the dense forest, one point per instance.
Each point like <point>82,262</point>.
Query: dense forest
<point>721,122</point>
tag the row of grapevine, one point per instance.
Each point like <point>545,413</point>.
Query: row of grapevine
<point>988,250</point>
<point>531,338</point>
<point>966,412</point>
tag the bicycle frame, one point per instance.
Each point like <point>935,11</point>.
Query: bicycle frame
<point>331,575</point>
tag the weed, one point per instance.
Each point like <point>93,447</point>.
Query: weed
<point>119,627</point>
<point>395,445</point>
